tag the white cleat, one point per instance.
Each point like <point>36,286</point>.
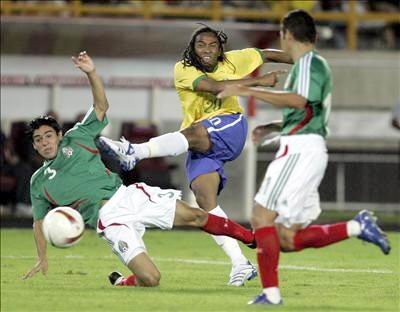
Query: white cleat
<point>242,273</point>
<point>121,150</point>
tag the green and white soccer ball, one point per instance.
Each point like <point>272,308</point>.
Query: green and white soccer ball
<point>63,227</point>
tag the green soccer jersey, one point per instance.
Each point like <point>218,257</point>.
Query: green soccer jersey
<point>311,78</point>
<point>76,177</point>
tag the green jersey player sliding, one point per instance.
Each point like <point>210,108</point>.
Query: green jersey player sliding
<point>74,175</point>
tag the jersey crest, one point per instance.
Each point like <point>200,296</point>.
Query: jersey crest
<point>67,151</point>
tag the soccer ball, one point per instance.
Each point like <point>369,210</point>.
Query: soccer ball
<point>63,227</point>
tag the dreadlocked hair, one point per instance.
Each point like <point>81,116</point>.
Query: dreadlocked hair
<point>189,56</point>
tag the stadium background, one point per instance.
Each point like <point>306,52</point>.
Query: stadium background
<point>135,45</point>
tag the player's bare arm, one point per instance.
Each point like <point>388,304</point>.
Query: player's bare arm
<point>277,56</point>
<point>41,247</point>
<point>278,99</point>
<point>270,79</point>
<point>85,64</point>
<point>262,131</point>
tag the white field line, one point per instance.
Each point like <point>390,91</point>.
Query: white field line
<point>281,267</point>
<point>216,262</point>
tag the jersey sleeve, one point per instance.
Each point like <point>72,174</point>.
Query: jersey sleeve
<point>187,77</point>
<point>245,60</point>
<point>40,206</point>
<point>311,80</point>
<point>90,125</point>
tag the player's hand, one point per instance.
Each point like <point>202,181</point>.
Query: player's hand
<point>41,265</point>
<point>259,133</point>
<point>232,90</point>
<point>271,78</point>
<point>83,62</point>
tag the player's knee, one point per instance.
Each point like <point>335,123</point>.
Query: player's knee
<point>257,222</point>
<point>195,217</point>
<point>286,241</point>
<point>198,217</point>
<point>201,217</point>
<point>197,137</point>
<point>151,279</point>
<point>262,217</point>
<point>202,198</point>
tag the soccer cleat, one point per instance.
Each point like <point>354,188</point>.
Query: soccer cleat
<point>121,150</point>
<point>252,245</point>
<point>116,278</point>
<point>262,299</point>
<point>371,232</point>
<point>241,273</point>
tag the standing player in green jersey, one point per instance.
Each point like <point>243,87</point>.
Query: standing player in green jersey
<point>74,175</point>
<point>213,131</point>
<point>288,200</point>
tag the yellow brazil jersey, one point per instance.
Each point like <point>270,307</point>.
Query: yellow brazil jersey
<point>203,105</point>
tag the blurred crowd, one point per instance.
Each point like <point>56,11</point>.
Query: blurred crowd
<point>373,34</point>
<point>17,165</point>
<point>18,162</point>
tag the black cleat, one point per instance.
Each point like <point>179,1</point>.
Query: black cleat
<point>115,278</point>
<point>252,245</point>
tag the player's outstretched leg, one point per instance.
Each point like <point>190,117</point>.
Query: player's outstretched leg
<point>242,269</point>
<point>127,154</point>
<point>145,272</point>
<point>371,232</point>
<point>122,151</point>
<point>221,227</point>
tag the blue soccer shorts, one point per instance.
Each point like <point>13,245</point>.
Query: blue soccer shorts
<point>228,135</point>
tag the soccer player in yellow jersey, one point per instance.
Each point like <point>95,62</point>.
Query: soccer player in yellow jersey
<point>213,131</point>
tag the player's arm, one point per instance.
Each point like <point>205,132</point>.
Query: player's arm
<point>100,103</point>
<point>41,246</point>
<point>280,99</point>
<point>277,56</point>
<point>270,79</point>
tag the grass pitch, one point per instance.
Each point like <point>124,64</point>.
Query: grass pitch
<point>349,276</point>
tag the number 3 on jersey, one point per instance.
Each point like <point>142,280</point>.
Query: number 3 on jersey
<point>51,172</point>
<point>169,194</point>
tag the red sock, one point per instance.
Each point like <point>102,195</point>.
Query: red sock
<point>318,236</point>
<point>268,249</point>
<point>129,281</point>
<point>222,226</point>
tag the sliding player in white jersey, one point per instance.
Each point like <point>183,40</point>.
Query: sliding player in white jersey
<point>73,175</point>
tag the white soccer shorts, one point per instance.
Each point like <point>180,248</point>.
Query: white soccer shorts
<point>290,185</point>
<point>124,218</point>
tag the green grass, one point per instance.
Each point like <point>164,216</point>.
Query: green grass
<point>77,277</point>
